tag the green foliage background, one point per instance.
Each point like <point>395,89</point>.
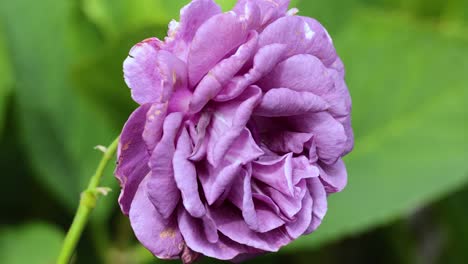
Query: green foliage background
<point>62,93</point>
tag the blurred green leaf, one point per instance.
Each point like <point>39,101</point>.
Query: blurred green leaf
<point>34,243</point>
<point>59,130</point>
<point>408,86</point>
<point>6,77</point>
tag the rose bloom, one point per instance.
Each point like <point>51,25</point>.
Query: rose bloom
<point>243,121</point>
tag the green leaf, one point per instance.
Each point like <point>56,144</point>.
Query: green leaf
<point>58,128</point>
<point>33,243</point>
<point>409,90</point>
<point>6,77</point>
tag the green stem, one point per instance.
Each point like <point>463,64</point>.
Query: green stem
<point>87,204</point>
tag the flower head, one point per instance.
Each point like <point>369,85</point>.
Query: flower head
<point>243,120</point>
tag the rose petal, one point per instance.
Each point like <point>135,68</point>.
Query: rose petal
<point>302,73</point>
<point>302,35</point>
<point>213,82</point>
<point>334,175</point>
<point>162,189</point>
<point>319,207</point>
<point>154,123</point>
<point>229,121</point>
<point>264,61</point>
<point>132,157</point>
<point>303,218</point>
<point>150,72</point>
<point>230,222</point>
<point>192,16</point>
<point>329,134</point>
<point>160,235</point>
<point>193,232</point>
<point>286,102</point>
<point>185,176</point>
<point>225,32</point>
<point>276,172</point>
<point>270,9</point>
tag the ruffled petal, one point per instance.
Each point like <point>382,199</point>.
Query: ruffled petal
<point>151,73</point>
<point>301,72</point>
<point>335,176</point>
<point>303,218</point>
<point>265,60</point>
<point>153,127</point>
<point>319,206</point>
<point>302,35</point>
<point>259,216</point>
<point>192,16</point>
<point>160,235</point>
<point>270,9</point>
<point>185,176</point>
<point>193,232</point>
<point>162,188</point>
<point>281,141</point>
<point>230,222</point>
<point>132,157</point>
<point>277,172</point>
<point>229,121</point>
<point>224,32</point>
<point>329,134</point>
<point>286,102</point>
<point>213,82</point>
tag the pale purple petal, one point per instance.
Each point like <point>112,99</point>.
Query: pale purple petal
<point>193,232</point>
<point>192,16</point>
<point>229,122</point>
<point>303,218</point>
<point>319,200</point>
<point>154,124</point>
<point>276,172</point>
<point>162,189</point>
<point>230,222</point>
<point>132,157</point>
<point>286,102</point>
<point>218,36</point>
<point>215,79</point>
<point>185,175</point>
<point>334,176</point>
<point>302,35</point>
<point>301,72</point>
<point>160,235</point>
<point>264,61</point>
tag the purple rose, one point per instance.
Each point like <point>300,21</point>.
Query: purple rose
<point>243,120</point>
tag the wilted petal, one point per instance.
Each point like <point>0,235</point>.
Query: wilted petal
<point>160,235</point>
<point>132,157</point>
<point>162,189</point>
<point>286,102</point>
<point>185,176</point>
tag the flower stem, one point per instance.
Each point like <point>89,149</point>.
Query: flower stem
<point>87,204</point>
